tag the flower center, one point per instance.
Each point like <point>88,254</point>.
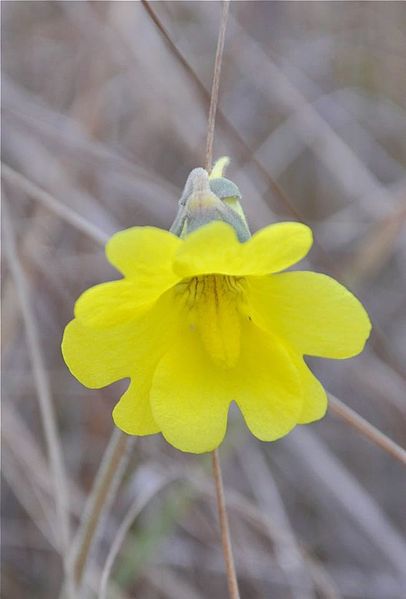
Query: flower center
<point>213,302</point>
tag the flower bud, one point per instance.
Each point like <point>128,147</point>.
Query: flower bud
<point>205,200</point>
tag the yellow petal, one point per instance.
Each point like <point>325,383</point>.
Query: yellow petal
<point>276,247</point>
<point>133,413</point>
<point>266,385</point>
<point>314,396</point>
<point>191,393</point>
<point>144,255</point>
<point>311,311</point>
<point>97,357</point>
<point>214,248</point>
<point>108,304</point>
<point>217,318</point>
<point>190,397</point>
<point>157,332</point>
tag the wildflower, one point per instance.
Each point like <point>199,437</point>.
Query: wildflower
<point>208,318</point>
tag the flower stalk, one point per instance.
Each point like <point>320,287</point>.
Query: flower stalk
<point>216,84</point>
<point>224,527</point>
<point>221,164</point>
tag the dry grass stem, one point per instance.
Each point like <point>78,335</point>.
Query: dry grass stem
<point>265,524</point>
<point>108,479</point>
<point>138,505</point>
<point>269,500</point>
<point>366,429</point>
<point>44,397</point>
<point>65,213</point>
<point>349,493</point>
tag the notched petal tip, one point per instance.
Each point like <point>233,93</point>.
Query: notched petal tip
<point>71,349</point>
<point>267,386</point>
<point>350,325</point>
<point>278,246</point>
<point>315,402</point>
<point>190,397</point>
<point>136,250</point>
<point>213,248</point>
<point>132,414</point>
<point>106,305</point>
<point>314,313</point>
<point>195,445</point>
<point>96,358</point>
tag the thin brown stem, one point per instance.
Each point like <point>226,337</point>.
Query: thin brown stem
<point>218,478</point>
<point>367,429</point>
<point>216,85</point>
<point>228,127</point>
<point>225,529</point>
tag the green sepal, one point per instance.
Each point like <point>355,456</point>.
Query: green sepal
<point>204,200</point>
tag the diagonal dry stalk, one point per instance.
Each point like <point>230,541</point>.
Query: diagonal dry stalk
<point>366,429</point>
<point>64,212</point>
<point>286,547</point>
<point>105,486</point>
<point>134,510</point>
<point>328,470</point>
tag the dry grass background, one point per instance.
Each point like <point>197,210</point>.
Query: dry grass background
<point>100,112</point>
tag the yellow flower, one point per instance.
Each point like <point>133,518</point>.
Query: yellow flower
<point>199,322</point>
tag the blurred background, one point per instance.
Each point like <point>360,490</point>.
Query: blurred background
<point>104,113</point>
